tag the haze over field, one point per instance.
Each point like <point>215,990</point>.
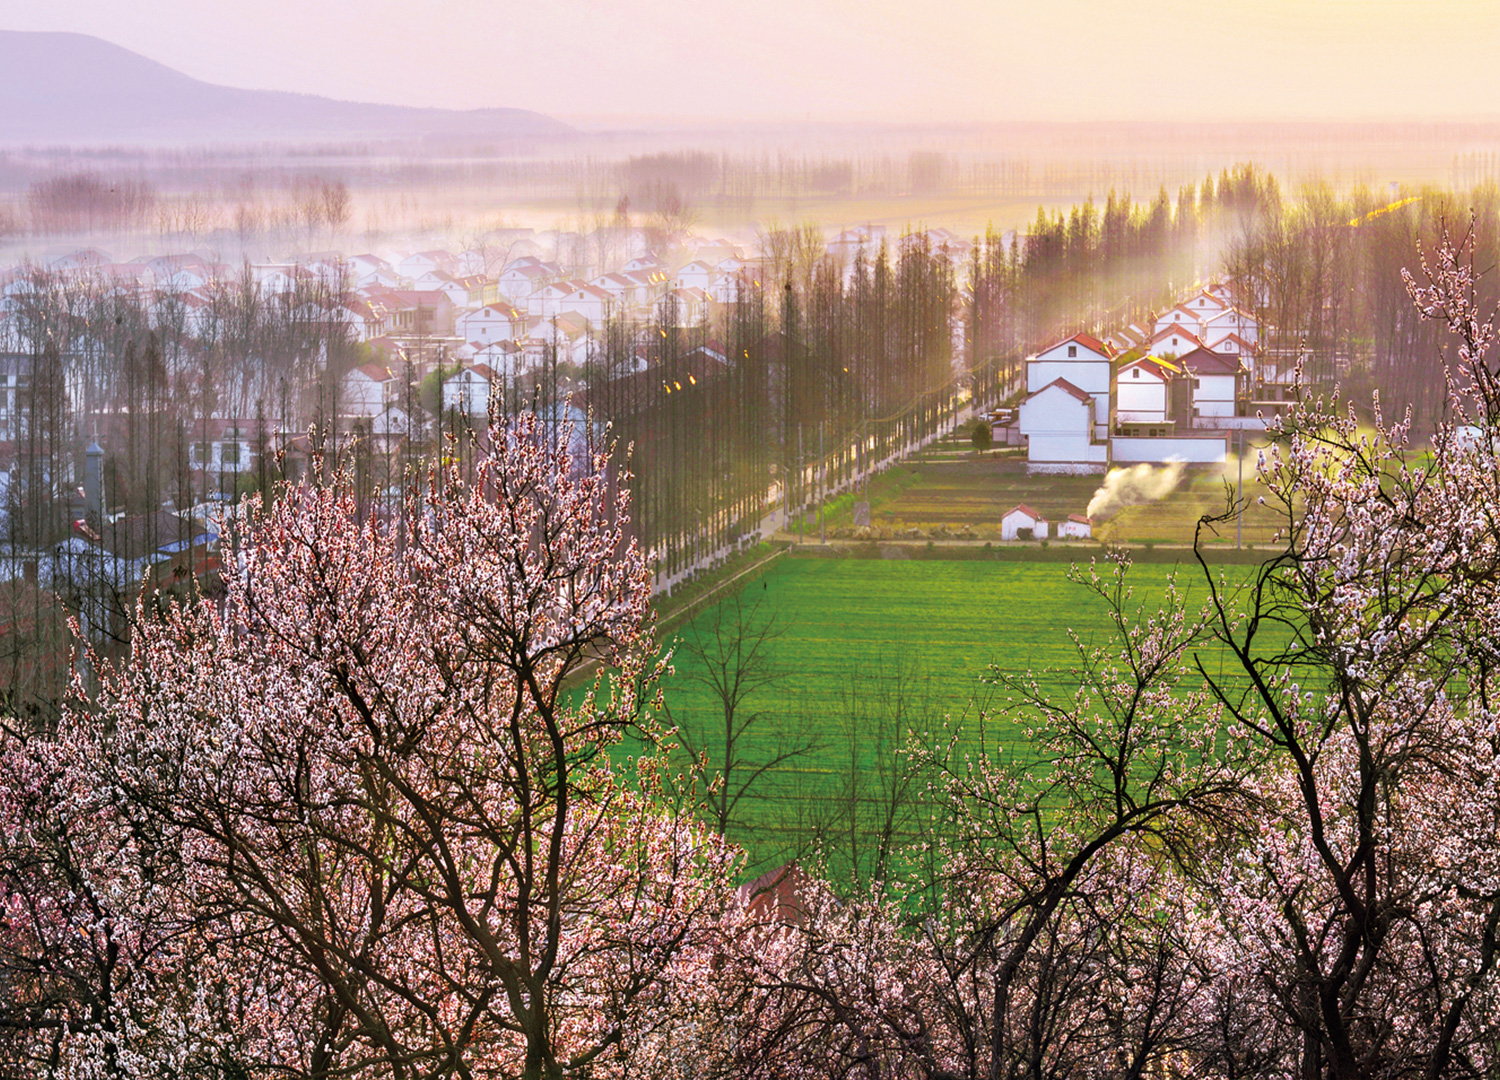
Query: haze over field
<point>785,60</point>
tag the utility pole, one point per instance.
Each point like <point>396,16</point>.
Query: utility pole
<point>1239,490</point>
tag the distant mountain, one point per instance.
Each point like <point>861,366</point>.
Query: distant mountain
<point>72,88</point>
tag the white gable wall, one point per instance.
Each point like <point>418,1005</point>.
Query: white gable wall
<point>1088,371</point>
<point>1057,428</point>
<point>1143,396</point>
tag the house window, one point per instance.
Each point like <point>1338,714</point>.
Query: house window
<point>1135,373</point>
<point>229,453</point>
<point>200,452</point>
<point>1072,351</point>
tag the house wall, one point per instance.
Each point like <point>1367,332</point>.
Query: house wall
<point>467,392</point>
<point>1198,450</point>
<point>1090,374</point>
<point>1012,523</point>
<point>1141,399</point>
<point>363,396</point>
<point>1213,396</point>
<point>1057,429</point>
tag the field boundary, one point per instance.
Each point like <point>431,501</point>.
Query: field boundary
<point>585,670</point>
<point>679,615</point>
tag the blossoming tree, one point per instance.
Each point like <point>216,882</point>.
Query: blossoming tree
<point>421,859</point>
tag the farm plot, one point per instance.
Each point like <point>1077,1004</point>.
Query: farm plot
<point>975,493</point>
<point>864,653</point>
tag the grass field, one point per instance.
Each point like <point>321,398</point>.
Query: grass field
<point>868,650</point>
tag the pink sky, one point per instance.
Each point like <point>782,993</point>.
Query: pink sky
<point>959,61</point>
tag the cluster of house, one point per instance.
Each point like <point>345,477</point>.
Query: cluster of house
<point>492,319</point>
<point>1173,392</point>
<point>539,313</point>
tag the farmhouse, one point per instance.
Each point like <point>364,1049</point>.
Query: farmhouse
<point>1057,423</point>
<point>1218,384</point>
<point>1077,527</point>
<point>1146,390</point>
<point>365,390</point>
<point>1022,523</point>
<point>468,391</point>
<point>1085,363</point>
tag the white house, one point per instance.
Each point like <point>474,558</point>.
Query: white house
<point>1057,423</point>
<point>1022,523</point>
<point>624,289</point>
<point>1085,363</point>
<point>1204,305</point>
<point>504,360</point>
<point>1179,317</point>
<point>1173,341</point>
<point>695,275</point>
<point>468,391</point>
<point>1229,343</point>
<point>1143,391</point>
<point>590,301</point>
<point>493,322</point>
<point>1230,321</point>
<point>1077,527</point>
<point>517,282</point>
<point>366,390</point>
<point>548,300</point>
<point>1217,382</point>
<point>684,307</point>
<point>419,263</point>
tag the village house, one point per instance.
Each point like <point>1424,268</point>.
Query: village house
<point>684,307</point>
<point>468,391</point>
<point>366,390</point>
<point>1077,527</point>
<point>1172,341</point>
<point>1144,390</point>
<point>1219,384</point>
<point>366,270</point>
<point>1057,423</point>
<point>493,322</point>
<point>1022,523</point>
<point>591,302</point>
<point>695,275</point>
<point>1085,363</point>
<point>419,263</point>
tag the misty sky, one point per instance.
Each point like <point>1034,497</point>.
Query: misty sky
<point>900,60</point>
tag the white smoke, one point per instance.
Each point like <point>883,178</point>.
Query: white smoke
<point>1133,486</point>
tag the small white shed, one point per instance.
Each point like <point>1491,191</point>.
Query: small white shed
<point>1077,527</point>
<point>1022,523</point>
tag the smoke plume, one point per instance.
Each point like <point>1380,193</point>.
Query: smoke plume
<point>1133,486</point>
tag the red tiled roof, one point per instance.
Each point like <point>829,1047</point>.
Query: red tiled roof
<point>1028,511</point>
<point>1176,331</point>
<point>375,372</point>
<point>1066,386</point>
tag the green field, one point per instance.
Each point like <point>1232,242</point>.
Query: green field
<point>869,650</point>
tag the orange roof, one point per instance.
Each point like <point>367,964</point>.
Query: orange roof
<point>1088,341</point>
<point>1067,387</point>
<point>1028,511</point>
